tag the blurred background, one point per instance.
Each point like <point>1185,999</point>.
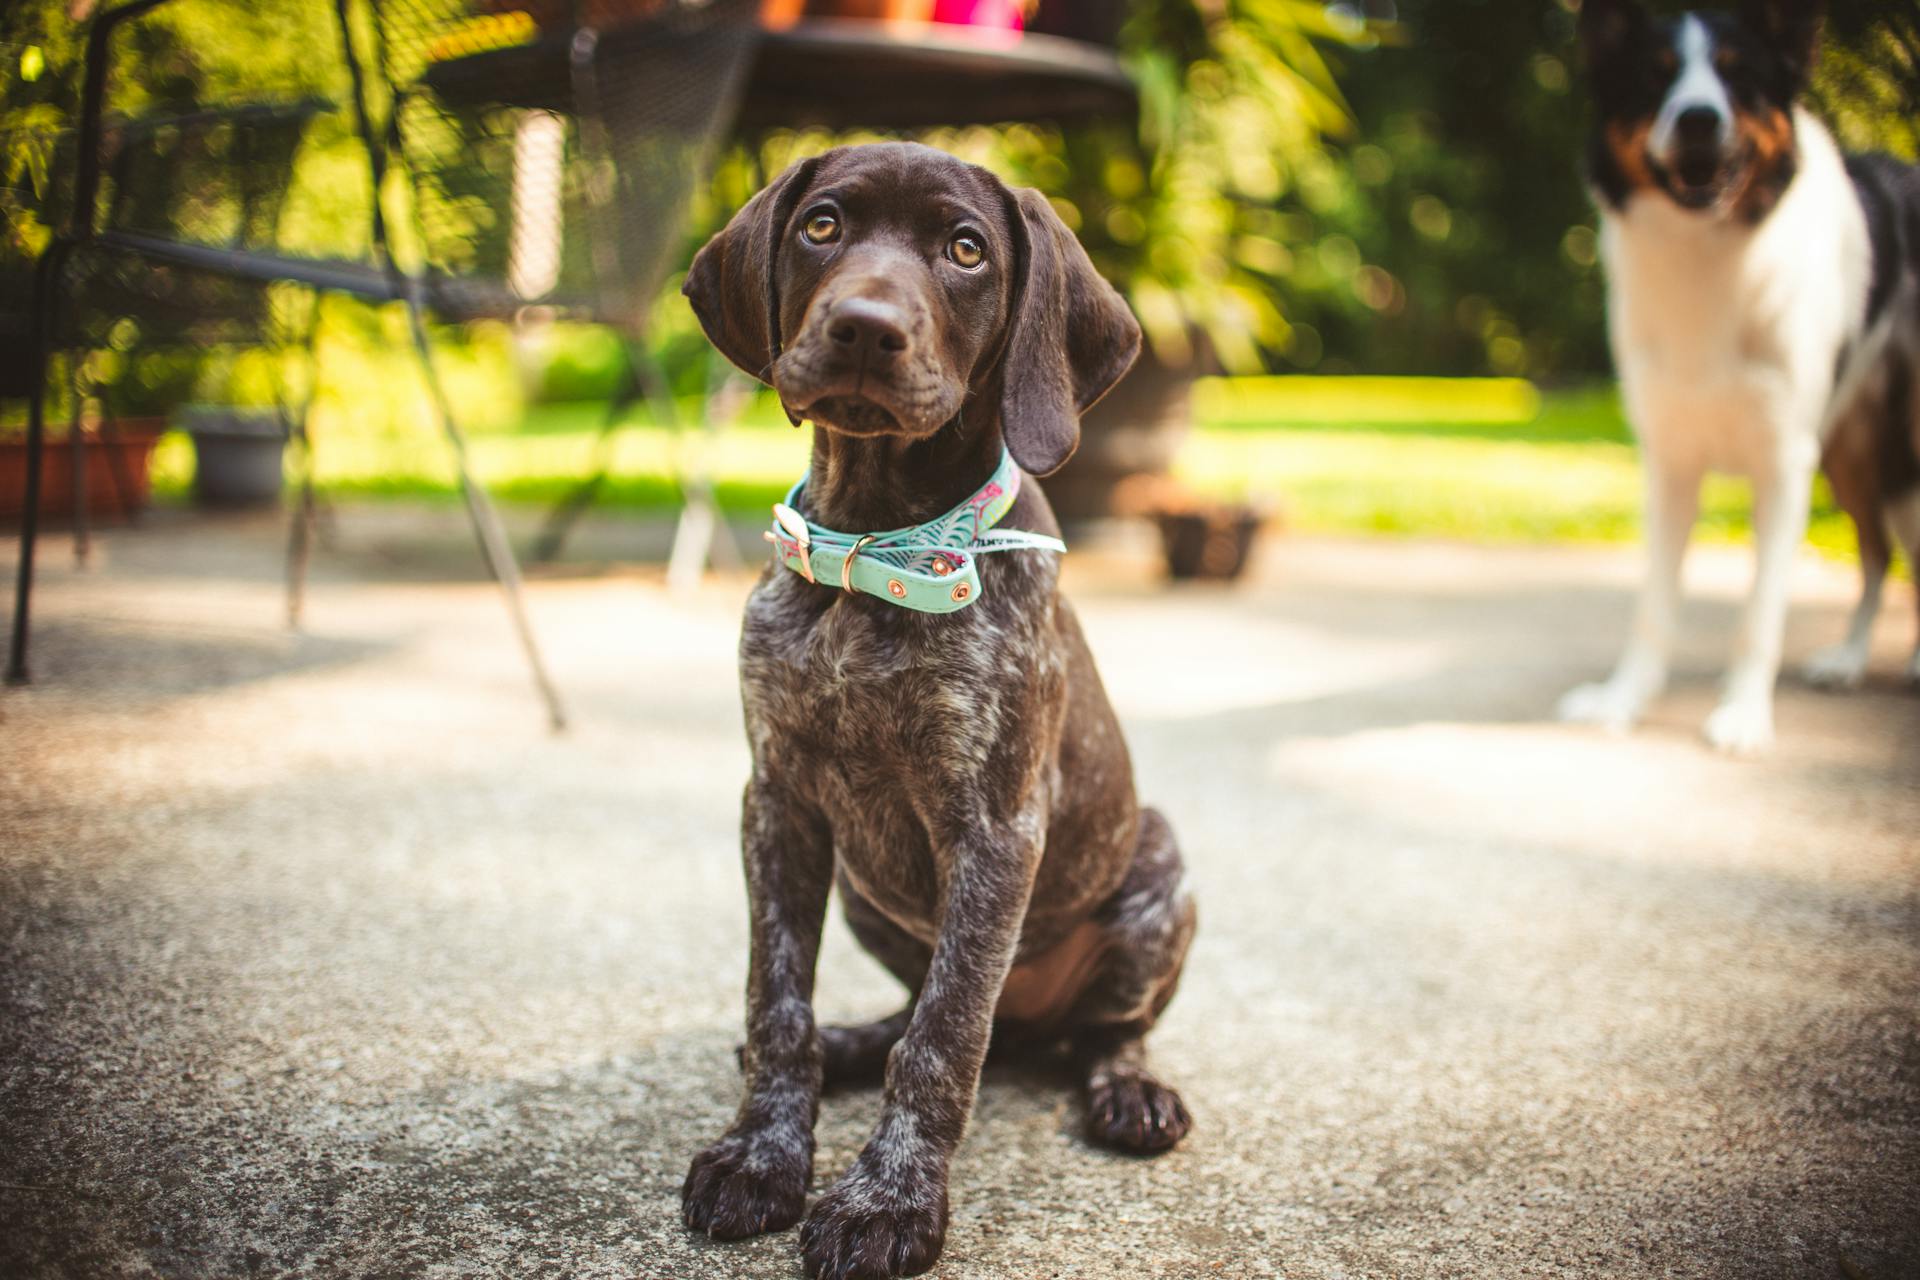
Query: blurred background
<point>1356,235</point>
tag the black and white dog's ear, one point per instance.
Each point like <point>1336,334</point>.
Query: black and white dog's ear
<point>1791,29</point>
<point>1070,337</point>
<point>732,285</point>
<point>1609,27</point>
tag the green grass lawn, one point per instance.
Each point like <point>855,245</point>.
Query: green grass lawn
<point>1490,460</point>
<point>1556,466</point>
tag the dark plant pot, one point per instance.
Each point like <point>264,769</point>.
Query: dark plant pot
<point>1135,430</point>
<point>119,477</point>
<point>237,456</point>
<point>1213,544</point>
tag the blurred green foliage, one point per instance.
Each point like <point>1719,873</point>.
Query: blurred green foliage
<point>1453,234</point>
<point>1867,83</point>
<point>1236,101</point>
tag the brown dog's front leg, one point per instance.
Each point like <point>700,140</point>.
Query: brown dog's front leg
<point>887,1216</point>
<point>755,1178</point>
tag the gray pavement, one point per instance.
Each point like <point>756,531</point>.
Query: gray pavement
<point>319,956</point>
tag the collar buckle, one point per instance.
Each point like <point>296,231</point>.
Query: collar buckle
<point>846,566</point>
<point>795,525</point>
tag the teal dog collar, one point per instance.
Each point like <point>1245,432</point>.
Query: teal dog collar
<point>932,567</point>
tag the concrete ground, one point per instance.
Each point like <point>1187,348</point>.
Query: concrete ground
<point>319,956</point>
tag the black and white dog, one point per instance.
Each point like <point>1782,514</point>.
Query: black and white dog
<point>1764,309</point>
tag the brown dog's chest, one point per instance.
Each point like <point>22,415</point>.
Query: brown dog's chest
<point>901,729</point>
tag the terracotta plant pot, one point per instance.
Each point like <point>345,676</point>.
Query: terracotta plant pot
<point>119,473</point>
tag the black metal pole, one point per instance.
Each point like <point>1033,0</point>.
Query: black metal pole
<point>300,540</point>
<point>125,495</point>
<point>44,272</point>
<point>77,459</point>
<point>494,547</point>
<point>93,96</point>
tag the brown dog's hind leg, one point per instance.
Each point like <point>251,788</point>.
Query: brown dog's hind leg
<point>857,1053</point>
<point>1128,1107</point>
<point>1148,925</point>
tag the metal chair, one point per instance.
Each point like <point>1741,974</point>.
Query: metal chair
<point>162,203</point>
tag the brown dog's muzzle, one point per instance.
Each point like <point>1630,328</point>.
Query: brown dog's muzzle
<point>867,358</point>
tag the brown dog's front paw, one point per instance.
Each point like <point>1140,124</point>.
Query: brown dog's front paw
<point>1133,1112</point>
<point>864,1229</point>
<point>746,1184</point>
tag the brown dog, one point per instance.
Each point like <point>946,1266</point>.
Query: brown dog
<point>960,776</point>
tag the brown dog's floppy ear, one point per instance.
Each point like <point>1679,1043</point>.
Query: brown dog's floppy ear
<point>731,283</point>
<point>1070,337</point>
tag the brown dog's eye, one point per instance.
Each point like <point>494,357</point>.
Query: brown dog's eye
<point>822,228</point>
<point>966,251</point>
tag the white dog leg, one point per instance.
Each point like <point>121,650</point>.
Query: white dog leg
<point>1672,502</point>
<point>1743,722</point>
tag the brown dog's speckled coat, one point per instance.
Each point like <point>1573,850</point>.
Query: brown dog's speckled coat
<point>961,777</point>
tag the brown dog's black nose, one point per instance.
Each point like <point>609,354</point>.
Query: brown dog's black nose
<point>867,329</point>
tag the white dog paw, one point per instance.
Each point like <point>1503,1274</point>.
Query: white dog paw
<point>1609,704</point>
<point>1843,666</point>
<point>1741,726</point>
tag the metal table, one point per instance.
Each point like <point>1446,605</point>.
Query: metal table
<point>846,74</point>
